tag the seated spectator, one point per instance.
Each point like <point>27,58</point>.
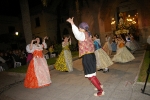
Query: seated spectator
<point>17,57</point>
<point>23,57</point>
<point>3,64</point>
<point>52,51</point>
<point>8,59</point>
<point>15,54</point>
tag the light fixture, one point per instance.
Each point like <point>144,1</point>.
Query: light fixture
<point>120,14</point>
<point>112,21</point>
<point>16,33</point>
<point>133,22</point>
<point>129,19</point>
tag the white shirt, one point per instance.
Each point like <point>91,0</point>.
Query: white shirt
<point>78,35</point>
<point>35,47</point>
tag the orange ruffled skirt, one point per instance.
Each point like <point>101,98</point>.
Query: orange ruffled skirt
<point>36,75</point>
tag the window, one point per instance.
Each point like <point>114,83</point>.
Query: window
<point>37,22</point>
<point>11,29</point>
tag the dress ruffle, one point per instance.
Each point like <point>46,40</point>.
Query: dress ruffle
<point>103,60</point>
<point>123,55</point>
<point>64,61</point>
<point>38,74</point>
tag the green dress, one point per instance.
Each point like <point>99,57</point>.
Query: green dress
<point>64,61</point>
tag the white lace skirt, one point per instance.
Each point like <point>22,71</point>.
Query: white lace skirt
<point>102,59</point>
<point>123,55</point>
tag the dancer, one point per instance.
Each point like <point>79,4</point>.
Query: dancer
<point>114,45</point>
<point>64,61</point>
<point>107,46</point>
<point>129,44</point>
<point>38,74</point>
<point>123,55</point>
<point>103,61</point>
<point>86,51</point>
<point>137,46</point>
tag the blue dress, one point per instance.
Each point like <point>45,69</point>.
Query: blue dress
<point>114,46</point>
<point>102,59</point>
<point>96,45</point>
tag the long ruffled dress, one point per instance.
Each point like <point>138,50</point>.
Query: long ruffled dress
<point>136,44</point>
<point>38,74</point>
<point>102,58</point>
<point>130,44</point>
<point>123,55</point>
<point>107,46</point>
<point>64,61</point>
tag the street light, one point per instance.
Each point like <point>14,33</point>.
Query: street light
<point>16,33</point>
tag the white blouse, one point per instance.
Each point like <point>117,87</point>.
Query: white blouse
<point>35,47</point>
<point>78,35</point>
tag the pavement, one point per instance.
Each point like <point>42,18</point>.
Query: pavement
<point>120,83</point>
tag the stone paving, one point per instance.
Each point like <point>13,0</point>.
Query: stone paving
<point>120,83</point>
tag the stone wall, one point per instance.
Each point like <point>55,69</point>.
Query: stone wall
<point>98,15</point>
<point>144,21</point>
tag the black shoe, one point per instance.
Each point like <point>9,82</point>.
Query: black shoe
<point>66,71</point>
<point>104,71</point>
<point>100,70</point>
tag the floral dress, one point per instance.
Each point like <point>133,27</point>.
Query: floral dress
<point>64,61</point>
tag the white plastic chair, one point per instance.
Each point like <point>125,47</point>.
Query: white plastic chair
<point>46,56</point>
<point>16,64</point>
<point>1,69</point>
<point>53,55</point>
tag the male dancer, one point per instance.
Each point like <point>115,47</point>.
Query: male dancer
<point>86,51</point>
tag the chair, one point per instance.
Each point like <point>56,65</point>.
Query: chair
<point>53,55</point>
<point>1,69</point>
<point>46,56</point>
<point>16,64</point>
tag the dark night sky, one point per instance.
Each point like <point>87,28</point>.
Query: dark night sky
<point>12,7</point>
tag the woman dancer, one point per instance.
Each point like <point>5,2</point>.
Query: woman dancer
<point>107,46</point>
<point>86,51</point>
<point>113,44</point>
<point>129,44</point>
<point>137,46</point>
<point>103,61</point>
<point>123,55</point>
<point>38,74</point>
<point>64,62</point>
